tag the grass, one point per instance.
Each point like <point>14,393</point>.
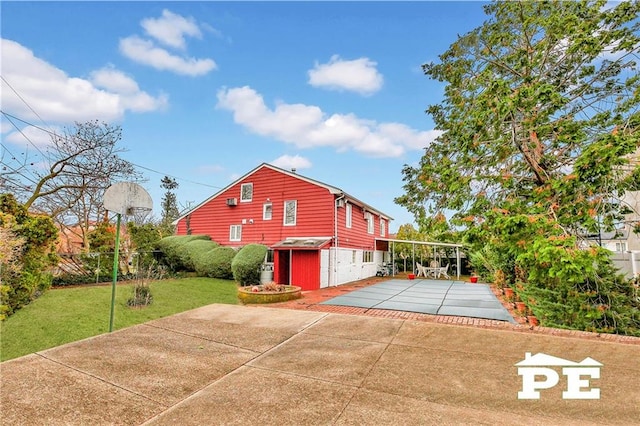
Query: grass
<point>69,314</point>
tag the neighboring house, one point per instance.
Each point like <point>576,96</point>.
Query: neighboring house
<point>319,235</point>
<point>615,241</point>
<point>632,220</point>
<point>70,239</point>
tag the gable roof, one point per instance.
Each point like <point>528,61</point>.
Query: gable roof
<point>332,189</point>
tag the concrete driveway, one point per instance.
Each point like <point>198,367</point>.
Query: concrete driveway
<point>226,364</point>
<point>436,297</point>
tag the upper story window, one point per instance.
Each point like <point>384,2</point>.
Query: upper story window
<point>235,233</point>
<point>383,227</point>
<point>348,212</point>
<point>267,211</point>
<point>369,218</point>
<point>290,208</point>
<point>620,247</point>
<point>246,192</point>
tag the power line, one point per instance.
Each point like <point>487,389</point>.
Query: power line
<point>32,110</point>
<point>134,164</point>
<point>177,178</point>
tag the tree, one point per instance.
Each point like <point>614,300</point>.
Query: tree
<point>169,204</point>
<point>539,119</point>
<point>80,165</point>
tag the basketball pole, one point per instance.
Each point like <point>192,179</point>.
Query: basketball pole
<point>115,272</point>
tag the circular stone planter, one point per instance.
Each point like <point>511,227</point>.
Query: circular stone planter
<point>290,292</point>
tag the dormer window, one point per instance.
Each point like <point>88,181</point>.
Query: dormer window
<point>246,192</point>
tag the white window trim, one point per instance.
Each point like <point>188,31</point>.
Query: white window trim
<point>382,227</point>
<point>370,227</point>
<point>348,218</point>
<point>248,200</point>
<point>235,233</point>
<point>264,211</point>
<point>295,213</point>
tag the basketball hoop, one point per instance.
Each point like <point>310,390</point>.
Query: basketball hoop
<point>123,198</point>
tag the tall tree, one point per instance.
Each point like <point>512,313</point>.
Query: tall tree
<point>540,118</point>
<point>170,210</point>
<point>539,114</point>
<point>81,163</point>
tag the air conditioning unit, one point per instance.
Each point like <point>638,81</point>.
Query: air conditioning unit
<point>340,202</point>
<point>232,201</point>
<point>368,216</point>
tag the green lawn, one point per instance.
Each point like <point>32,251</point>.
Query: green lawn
<point>69,314</point>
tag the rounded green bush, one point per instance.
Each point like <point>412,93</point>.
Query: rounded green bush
<point>174,252</point>
<point>246,264</point>
<point>215,263</point>
<point>195,249</point>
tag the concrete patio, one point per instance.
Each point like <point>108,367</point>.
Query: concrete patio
<point>226,364</point>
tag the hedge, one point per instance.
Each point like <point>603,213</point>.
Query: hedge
<point>215,263</point>
<point>246,264</point>
<point>174,251</point>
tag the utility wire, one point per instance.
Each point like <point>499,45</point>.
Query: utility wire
<point>10,116</point>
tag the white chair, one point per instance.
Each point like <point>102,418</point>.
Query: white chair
<point>443,271</point>
<point>420,270</point>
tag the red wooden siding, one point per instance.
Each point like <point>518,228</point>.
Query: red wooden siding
<point>314,215</point>
<point>357,236</point>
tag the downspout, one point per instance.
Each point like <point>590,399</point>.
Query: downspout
<point>335,239</point>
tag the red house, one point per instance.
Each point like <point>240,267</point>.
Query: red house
<point>319,235</point>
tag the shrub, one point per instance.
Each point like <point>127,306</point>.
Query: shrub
<point>27,253</point>
<point>215,263</point>
<point>193,250</point>
<point>246,264</point>
<point>174,253</point>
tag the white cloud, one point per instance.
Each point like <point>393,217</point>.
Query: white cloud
<point>171,28</point>
<point>358,75</point>
<point>146,53</point>
<point>307,126</point>
<point>58,97</point>
<point>289,162</point>
<point>30,136</point>
<point>130,94</point>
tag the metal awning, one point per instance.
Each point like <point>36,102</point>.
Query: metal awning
<point>310,243</point>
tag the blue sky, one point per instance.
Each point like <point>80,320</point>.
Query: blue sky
<point>207,91</point>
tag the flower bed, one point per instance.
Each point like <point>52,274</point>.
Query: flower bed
<point>268,293</point>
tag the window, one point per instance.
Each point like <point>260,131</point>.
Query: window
<point>246,192</point>
<point>267,211</point>
<point>290,212</point>
<point>369,218</point>
<point>353,256</point>
<point>620,247</point>
<point>367,256</point>
<point>382,227</point>
<point>235,233</point>
<point>348,216</point>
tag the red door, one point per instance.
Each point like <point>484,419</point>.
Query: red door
<point>305,269</point>
<point>281,266</point>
